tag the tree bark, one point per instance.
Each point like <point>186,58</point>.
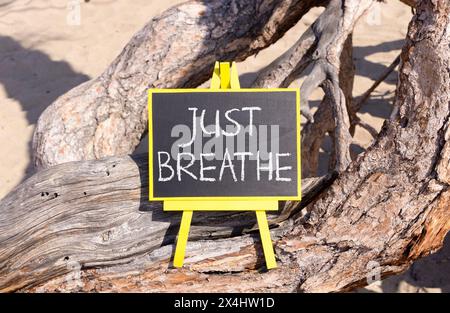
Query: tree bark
<point>97,213</point>
<point>326,44</point>
<point>108,115</point>
<point>314,132</point>
<point>387,209</point>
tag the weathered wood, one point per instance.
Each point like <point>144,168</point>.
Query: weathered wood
<point>108,115</point>
<point>338,25</point>
<point>283,70</point>
<point>324,45</point>
<point>98,213</point>
<point>389,207</point>
<point>314,133</point>
<point>346,78</point>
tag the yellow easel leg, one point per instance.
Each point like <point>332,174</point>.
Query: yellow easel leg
<point>182,238</point>
<point>234,77</point>
<point>265,239</point>
<point>215,79</point>
<point>224,75</point>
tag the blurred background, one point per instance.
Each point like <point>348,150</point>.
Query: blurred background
<point>45,50</point>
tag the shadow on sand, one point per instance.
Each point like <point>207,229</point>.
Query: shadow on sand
<point>33,79</point>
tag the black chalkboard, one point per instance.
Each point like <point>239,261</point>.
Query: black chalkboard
<point>243,143</point>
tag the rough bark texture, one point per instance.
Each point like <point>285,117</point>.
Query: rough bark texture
<point>314,133</point>
<point>322,45</point>
<point>337,26</point>
<point>388,208</point>
<point>96,213</point>
<point>392,204</point>
<point>108,116</point>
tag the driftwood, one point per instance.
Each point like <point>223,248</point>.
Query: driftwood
<point>328,45</point>
<point>313,133</point>
<point>108,115</point>
<point>87,226</point>
<point>97,213</point>
<point>90,220</point>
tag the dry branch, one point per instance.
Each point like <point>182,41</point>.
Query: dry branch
<point>339,21</point>
<point>390,207</point>
<point>314,133</point>
<point>97,213</point>
<point>107,115</point>
<point>323,44</point>
<point>282,71</point>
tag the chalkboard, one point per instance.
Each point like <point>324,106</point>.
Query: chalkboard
<point>224,144</point>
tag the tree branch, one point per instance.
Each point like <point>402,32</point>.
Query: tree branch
<point>322,43</point>
<point>96,213</point>
<point>388,208</point>
<point>107,115</point>
<point>282,71</point>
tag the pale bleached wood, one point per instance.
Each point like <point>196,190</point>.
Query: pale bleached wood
<point>97,213</point>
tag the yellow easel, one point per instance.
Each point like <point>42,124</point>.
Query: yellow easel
<point>223,78</point>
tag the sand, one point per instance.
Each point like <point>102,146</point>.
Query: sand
<point>42,57</point>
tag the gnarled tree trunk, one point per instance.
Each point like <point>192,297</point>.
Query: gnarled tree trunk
<point>388,208</point>
<point>108,115</point>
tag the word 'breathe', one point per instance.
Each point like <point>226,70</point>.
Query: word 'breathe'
<point>241,162</point>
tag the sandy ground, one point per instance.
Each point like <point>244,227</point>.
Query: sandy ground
<point>42,56</point>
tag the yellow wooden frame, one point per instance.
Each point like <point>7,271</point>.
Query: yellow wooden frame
<point>224,79</point>
<point>220,198</point>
